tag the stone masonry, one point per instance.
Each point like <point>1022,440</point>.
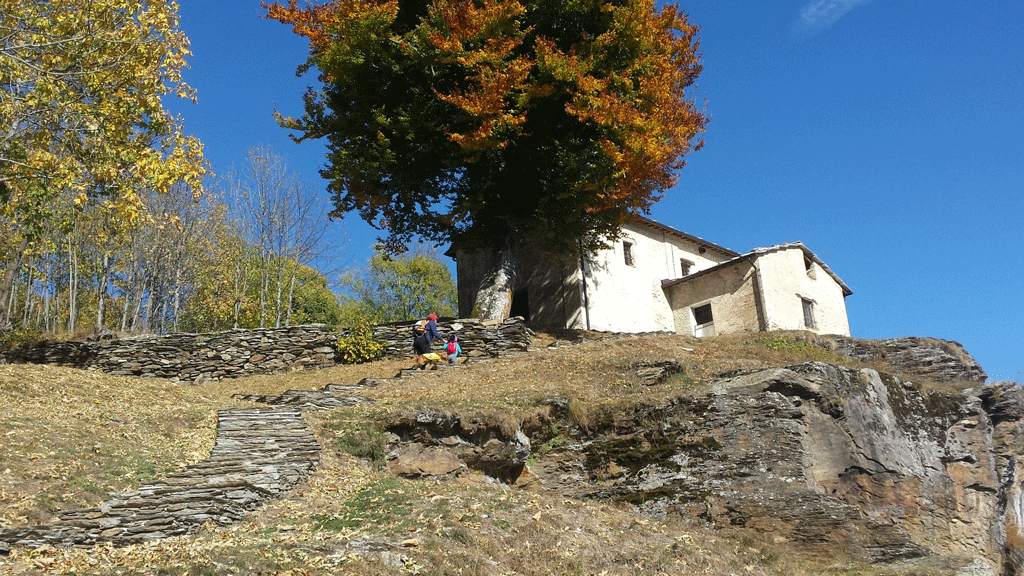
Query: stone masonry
<point>194,358</point>
<point>260,453</point>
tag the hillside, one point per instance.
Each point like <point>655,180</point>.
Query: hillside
<point>72,436</point>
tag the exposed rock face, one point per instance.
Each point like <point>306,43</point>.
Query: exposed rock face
<point>434,444</point>
<point>824,456</point>
<point>938,360</point>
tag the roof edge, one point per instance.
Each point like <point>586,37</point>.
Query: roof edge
<point>689,237</point>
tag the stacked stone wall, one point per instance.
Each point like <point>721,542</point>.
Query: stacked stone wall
<point>483,338</point>
<point>236,353</point>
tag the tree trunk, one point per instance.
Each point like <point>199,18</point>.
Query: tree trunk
<point>102,296</point>
<point>278,308</point>
<point>72,284</point>
<point>494,294</point>
<point>236,307</point>
<point>176,309</point>
<point>129,292</point>
<point>291,293</point>
<point>29,300</point>
<point>12,267</point>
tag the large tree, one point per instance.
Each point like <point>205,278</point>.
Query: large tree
<point>492,123</point>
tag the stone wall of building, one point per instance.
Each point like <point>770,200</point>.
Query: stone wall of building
<point>235,353</point>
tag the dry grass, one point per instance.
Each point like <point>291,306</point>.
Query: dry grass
<point>72,436</point>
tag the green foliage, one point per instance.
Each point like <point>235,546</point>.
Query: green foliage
<point>396,289</point>
<point>357,345</point>
<point>784,344</point>
<point>13,338</point>
<point>539,120</point>
<point>228,289</point>
<point>314,302</point>
<point>365,440</point>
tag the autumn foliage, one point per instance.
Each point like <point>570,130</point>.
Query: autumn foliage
<point>466,120</point>
<point>81,85</point>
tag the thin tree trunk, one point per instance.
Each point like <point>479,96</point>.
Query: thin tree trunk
<point>147,318</point>
<point>277,305</point>
<point>291,292</point>
<point>29,301</point>
<point>12,299</point>
<point>240,281</point>
<point>11,269</point>
<point>129,291</point>
<point>177,299</point>
<point>46,314</point>
<point>72,284</point>
<point>102,289</point>
<point>264,288</point>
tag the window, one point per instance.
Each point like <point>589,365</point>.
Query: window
<point>685,266</point>
<point>808,314</point>
<point>809,267</point>
<point>704,322</point>
<point>627,251</point>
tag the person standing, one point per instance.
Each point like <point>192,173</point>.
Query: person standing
<point>431,329</point>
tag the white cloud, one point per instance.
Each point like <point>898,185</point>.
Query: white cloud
<point>822,14</point>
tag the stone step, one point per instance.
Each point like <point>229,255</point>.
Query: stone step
<point>259,454</point>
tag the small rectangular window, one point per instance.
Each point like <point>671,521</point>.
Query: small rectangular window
<point>627,251</point>
<point>685,267</point>
<point>704,322</point>
<point>702,315</point>
<point>808,314</point>
<point>809,267</point>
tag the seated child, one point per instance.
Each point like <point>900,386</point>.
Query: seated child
<point>453,349</point>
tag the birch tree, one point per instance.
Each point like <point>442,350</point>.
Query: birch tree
<point>81,83</point>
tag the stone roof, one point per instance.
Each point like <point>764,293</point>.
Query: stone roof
<point>753,255</point>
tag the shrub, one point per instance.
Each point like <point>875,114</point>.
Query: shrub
<point>357,345</point>
<point>13,338</point>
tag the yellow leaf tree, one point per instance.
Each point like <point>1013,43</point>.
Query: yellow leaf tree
<point>81,83</point>
<point>492,123</point>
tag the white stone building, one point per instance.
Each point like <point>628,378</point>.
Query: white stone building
<point>658,279</point>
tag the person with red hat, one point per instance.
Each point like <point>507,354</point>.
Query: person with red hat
<point>431,329</point>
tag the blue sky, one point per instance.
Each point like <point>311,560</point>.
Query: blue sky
<point>887,135</point>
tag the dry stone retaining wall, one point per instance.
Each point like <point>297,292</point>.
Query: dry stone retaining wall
<point>235,353</point>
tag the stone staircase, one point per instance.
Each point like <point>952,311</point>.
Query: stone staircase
<point>260,453</point>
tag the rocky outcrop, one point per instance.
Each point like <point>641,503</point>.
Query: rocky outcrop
<point>821,455</point>
<point>932,358</point>
<point>430,443</point>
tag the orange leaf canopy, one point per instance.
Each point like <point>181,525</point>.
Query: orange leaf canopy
<point>471,120</point>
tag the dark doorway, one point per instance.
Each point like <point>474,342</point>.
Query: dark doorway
<point>520,304</point>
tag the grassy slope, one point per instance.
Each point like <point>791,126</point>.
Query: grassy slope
<point>70,437</point>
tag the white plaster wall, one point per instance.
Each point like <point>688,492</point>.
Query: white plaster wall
<point>784,281</point>
<point>625,298</point>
